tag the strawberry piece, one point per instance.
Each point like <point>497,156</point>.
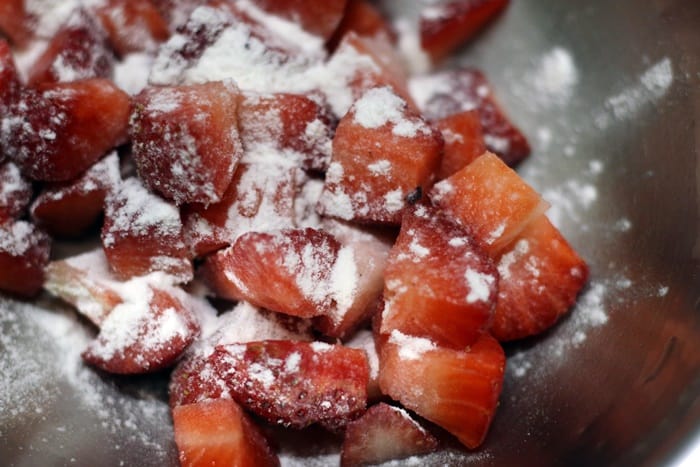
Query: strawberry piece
<point>439,283</point>
<point>541,277</point>
<point>78,51</point>
<point>185,140</point>
<point>56,132</point>
<point>133,25</point>
<point>69,209</point>
<point>384,156</point>
<point>303,272</point>
<point>176,12</point>
<point>455,389</point>
<point>292,124</point>
<point>319,18</point>
<point>447,25</point>
<point>464,141</point>
<point>142,233</point>
<point>144,334</point>
<point>489,199</point>
<point>449,92</point>
<point>360,64</point>
<point>15,192</point>
<point>384,433</point>
<point>296,384</point>
<point>369,252</point>
<point>364,19</point>
<point>85,282</point>
<point>218,432</point>
<point>10,84</point>
<point>24,253</point>
<point>194,378</point>
<point>260,198</point>
<point>15,23</point>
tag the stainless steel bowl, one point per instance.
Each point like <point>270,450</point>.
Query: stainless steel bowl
<point>609,93</point>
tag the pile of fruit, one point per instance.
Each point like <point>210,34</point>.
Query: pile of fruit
<point>300,228</point>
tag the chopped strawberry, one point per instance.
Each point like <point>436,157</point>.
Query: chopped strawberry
<point>448,24</point>
<point>365,341</point>
<point>85,282</point>
<point>541,277</point>
<point>10,83</point>
<point>384,433</point>
<point>142,233</point>
<point>185,140</point>
<point>359,64</point>
<point>15,23</point>
<point>319,18</point>
<point>364,19</point>
<point>439,283</point>
<point>56,132</point>
<point>218,432</point>
<point>384,156</point>
<point>24,253</point>
<point>15,192</point>
<point>489,199</point>
<point>292,124</point>
<point>303,272</point>
<point>369,251</point>
<point>296,383</point>
<point>176,12</point>
<point>79,50</point>
<point>69,209</point>
<point>133,25</point>
<point>455,389</point>
<point>448,92</point>
<point>464,141</point>
<point>260,198</point>
<point>144,334</point>
<point>194,378</point>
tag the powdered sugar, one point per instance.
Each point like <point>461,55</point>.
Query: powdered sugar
<point>411,347</point>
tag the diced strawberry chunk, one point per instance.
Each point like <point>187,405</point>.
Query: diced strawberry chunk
<point>15,192</point>
<point>85,282</point>
<point>448,24</point>
<point>369,251</point>
<point>144,334</point>
<point>448,92</point>
<point>292,124</point>
<point>185,140</point>
<point>541,275</point>
<point>218,432</point>
<point>464,141</point>
<point>384,156</point>
<point>14,22</point>
<point>69,209</point>
<point>10,84</point>
<point>455,389</point>
<point>489,199</point>
<point>384,433</point>
<point>142,233</point>
<point>439,283</point>
<point>24,253</point>
<point>296,384</point>
<point>133,25</point>
<point>360,64</point>
<point>56,132</point>
<point>364,340</point>
<point>195,379</point>
<point>319,18</point>
<point>78,51</point>
<point>364,19</point>
<point>176,12</point>
<point>304,272</point>
<point>260,198</point>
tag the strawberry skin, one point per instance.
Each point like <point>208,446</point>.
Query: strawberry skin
<point>218,433</point>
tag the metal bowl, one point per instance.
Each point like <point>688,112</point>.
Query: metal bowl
<point>609,93</point>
